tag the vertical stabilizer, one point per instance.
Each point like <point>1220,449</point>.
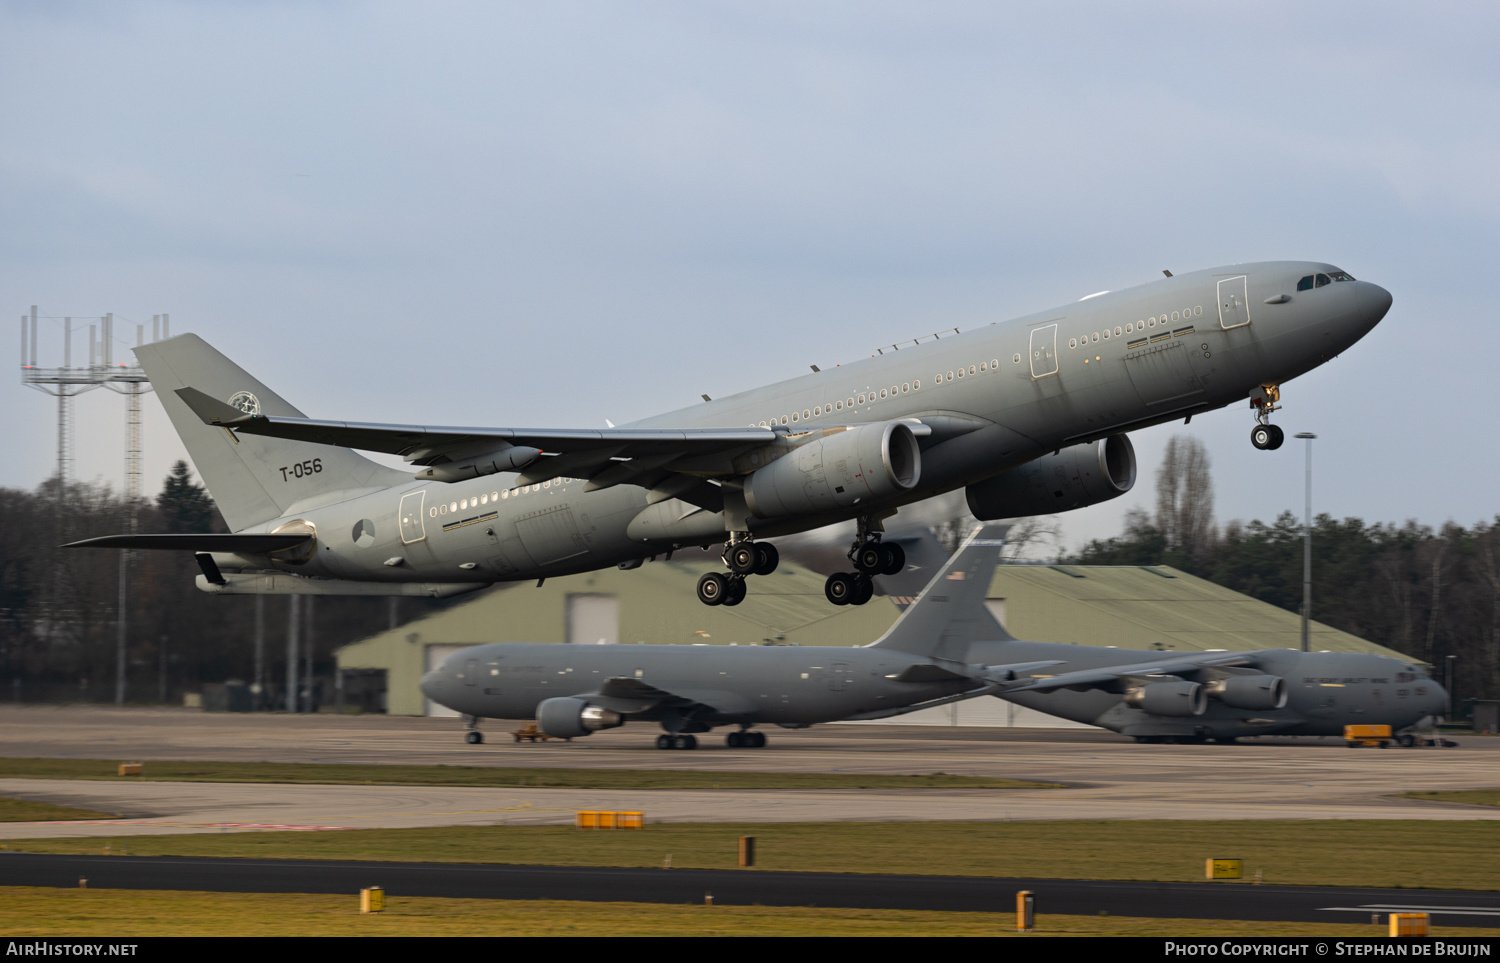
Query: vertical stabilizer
<point>253,479</point>
<point>950,614</point>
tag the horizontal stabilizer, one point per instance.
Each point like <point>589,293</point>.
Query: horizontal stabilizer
<point>253,544</point>
<point>280,583</point>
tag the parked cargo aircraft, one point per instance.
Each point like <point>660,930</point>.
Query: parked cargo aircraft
<point>1194,696</point>
<point>1028,416</point>
<point>573,690</point>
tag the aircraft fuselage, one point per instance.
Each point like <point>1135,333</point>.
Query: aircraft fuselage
<point>994,398</point>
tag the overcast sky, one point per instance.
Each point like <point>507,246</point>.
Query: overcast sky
<point>553,214</point>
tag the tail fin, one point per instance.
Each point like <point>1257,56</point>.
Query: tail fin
<point>253,479</point>
<point>951,614</point>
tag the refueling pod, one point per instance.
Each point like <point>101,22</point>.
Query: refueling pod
<point>1075,477</point>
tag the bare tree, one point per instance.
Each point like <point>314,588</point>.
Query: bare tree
<point>1185,498</point>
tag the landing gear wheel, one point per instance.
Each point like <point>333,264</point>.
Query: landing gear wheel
<point>684,742</point>
<point>741,559</point>
<point>870,559</point>
<point>474,737</point>
<point>1277,437</point>
<point>712,588</point>
<point>734,594</point>
<point>664,742</point>
<point>839,589</point>
<point>755,740</point>
<point>864,590</point>
<point>735,740</point>
<point>896,560</point>
<point>1261,437</point>
<point>766,558</point>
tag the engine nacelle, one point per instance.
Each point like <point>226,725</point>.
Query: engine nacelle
<point>1073,478</point>
<point>565,717</point>
<point>1168,698</point>
<point>837,471</point>
<point>1250,691</point>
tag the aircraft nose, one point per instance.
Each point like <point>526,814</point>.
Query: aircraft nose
<point>432,685</point>
<point>1374,301</point>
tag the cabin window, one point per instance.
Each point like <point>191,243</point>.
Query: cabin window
<point>950,376</point>
<point>806,414</point>
<point>972,369</point>
<point>916,385</point>
<point>906,388</point>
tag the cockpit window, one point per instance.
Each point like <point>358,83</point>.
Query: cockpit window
<point>1318,280</point>
<point>1305,284</point>
<point>1324,279</point>
<point>1341,275</point>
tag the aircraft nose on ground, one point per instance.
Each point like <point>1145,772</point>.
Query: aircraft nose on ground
<point>432,685</point>
<point>1373,300</point>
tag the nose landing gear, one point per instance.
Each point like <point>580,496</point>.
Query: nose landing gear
<point>1266,436</point>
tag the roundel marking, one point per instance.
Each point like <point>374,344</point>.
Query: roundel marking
<point>246,402</point>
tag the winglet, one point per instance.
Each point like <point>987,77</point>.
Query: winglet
<point>950,614</point>
<point>212,410</point>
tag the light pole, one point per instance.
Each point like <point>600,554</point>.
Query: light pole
<point>1307,546</point>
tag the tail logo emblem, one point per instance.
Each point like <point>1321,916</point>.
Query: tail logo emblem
<point>246,402</point>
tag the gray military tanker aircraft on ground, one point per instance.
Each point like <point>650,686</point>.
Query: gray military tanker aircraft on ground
<point>1029,416</point>
<point>574,690</point>
<point>1194,696</point>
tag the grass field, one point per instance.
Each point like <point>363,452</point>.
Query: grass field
<point>1379,853</point>
<point>1471,797</point>
<point>33,912</point>
<point>23,811</point>
<point>485,776</point>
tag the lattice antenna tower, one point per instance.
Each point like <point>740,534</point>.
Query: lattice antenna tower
<point>66,383</point>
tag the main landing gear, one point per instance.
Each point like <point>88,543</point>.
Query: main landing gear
<point>746,739</point>
<point>1266,436</point>
<point>871,557</point>
<point>744,558</point>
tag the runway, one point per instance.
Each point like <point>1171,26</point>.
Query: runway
<point>1235,901</point>
<point>1107,777</point>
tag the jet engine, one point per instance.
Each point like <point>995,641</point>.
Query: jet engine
<point>1168,698</point>
<point>1075,477</point>
<point>839,470</point>
<point>1250,691</point>
<point>566,717</point>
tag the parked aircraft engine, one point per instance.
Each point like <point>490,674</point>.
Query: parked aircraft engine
<point>1250,691</point>
<point>1075,477</point>
<point>1168,698</point>
<point>564,718</point>
<point>841,469</point>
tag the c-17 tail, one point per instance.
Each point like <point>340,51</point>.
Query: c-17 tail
<point>252,478</point>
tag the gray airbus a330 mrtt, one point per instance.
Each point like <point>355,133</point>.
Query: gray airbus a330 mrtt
<point>1028,415</point>
<point>1193,696</point>
<point>573,690</point>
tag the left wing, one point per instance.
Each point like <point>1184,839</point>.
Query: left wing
<point>671,462</point>
<point>1113,674</point>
